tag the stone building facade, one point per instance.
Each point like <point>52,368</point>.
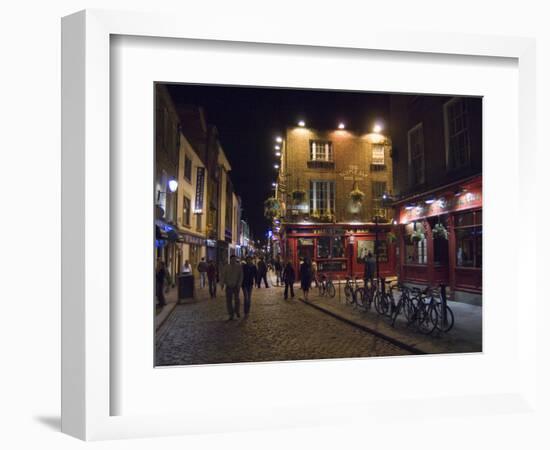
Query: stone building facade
<point>330,191</point>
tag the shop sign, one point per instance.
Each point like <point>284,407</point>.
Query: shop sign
<point>190,239</point>
<point>443,205</point>
<point>199,194</point>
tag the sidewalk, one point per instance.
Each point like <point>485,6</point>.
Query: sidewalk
<point>172,300</point>
<point>465,336</point>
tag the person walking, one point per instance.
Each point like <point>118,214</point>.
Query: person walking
<point>232,280</point>
<point>160,277</point>
<point>314,272</point>
<point>305,277</point>
<point>212,281</point>
<point>262,273</point>
<point>370,268</point>
<point>186,269</point>
<point>289,276</point>
<point>250,273</point>
<point>277,265</point>
<point>202,267</point>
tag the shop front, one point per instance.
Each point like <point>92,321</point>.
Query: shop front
<point>440,239</point>
<point>192,248</point>
<point>338,249</point>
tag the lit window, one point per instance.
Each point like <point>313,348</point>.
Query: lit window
<point>321,197</point>
<point>320,151</point>
<point>378,154</point>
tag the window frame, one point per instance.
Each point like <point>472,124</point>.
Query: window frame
<point>185,165</point>
<point>328,152</point>
<point>448,159</point>
<point>330,197</point>
<point>413,181</point>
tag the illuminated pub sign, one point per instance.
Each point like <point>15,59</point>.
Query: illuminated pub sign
<point>472,198</point>
<point>199,194</point>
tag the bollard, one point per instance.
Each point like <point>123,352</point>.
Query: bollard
<point>443,305</point>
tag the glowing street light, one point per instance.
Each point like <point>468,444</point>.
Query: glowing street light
<point>279,139</point>
<point>377,128</point>
<point>341,125</point>
<point>274,184</point>
<point>301,123</point>
<point>173,185</point>
<point>277,147</point>
<point>276,166</point>
<point>277,153</point>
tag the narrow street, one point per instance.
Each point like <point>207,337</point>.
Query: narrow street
<point>276,330</point>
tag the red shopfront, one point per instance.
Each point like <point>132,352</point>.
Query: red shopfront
<point>338,249</point>
<point>440,238</point>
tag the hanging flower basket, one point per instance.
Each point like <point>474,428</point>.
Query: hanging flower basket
<point>272,208</point>
<point>356,195</point>
<point>418,235</point>
<point>440,232</point>
<point>391,238</point>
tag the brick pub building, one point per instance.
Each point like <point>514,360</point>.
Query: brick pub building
<point>330,187</point>
<point>437,157</point>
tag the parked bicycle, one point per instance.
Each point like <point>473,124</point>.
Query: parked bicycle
<point>326,287</point>
<point>353,292</point>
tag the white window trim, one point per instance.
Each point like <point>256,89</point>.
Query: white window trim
<point>411,131</point>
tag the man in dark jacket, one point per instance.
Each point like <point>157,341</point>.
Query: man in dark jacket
<point>250,274</point>
<point>370,268</point>
<point>262,273</point>
<point>289,277</point>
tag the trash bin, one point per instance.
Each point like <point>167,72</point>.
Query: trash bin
<point>186,286</point>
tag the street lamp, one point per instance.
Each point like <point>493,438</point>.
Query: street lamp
<point>173,185</point>
<point>301,123</point>
<point>377,128</point>
<point>276,166</point>
<point>279,139</point>
<point>341,125</point>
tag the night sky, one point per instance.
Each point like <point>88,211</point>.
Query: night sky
<point>248,119</point>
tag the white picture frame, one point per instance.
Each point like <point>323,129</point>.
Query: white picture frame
<point>87,355</point>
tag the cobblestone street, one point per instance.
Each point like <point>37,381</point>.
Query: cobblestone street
<point>276,330</point>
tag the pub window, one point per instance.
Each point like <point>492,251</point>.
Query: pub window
<point>378,154</point>
<point>330,247</point>
<point>416,155</point>
<point>457,135</point>
<point>323,247</point>
<point>321,197</point>
<point>320,151</point>
<point>468,235</point>
<point>187,211</point>
<point>415,249</point>
<point>187,169</point>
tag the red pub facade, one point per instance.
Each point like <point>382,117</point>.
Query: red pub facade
<point>339,249</point>
<point>440,239</point>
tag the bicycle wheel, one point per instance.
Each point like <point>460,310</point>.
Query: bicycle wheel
<point>330,289</point>
<point>359,297</point>
<point>424,320</point>
<point>380,303</point>
<point>408,309</point>
<point>347,293</point>
<point>450,319</point>
<point>321,289</point>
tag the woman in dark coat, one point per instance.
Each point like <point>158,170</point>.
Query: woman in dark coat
<point>160,276</point>
<point>306,275</point>
<point>288,278</point>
